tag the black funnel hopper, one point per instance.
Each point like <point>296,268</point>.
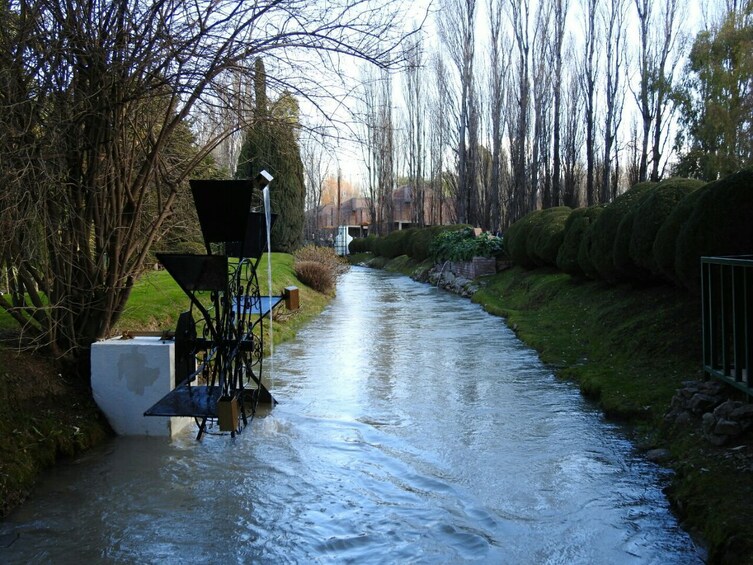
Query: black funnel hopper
<point>223,207</point>
<point>255,242</point>
<point>196,272</point>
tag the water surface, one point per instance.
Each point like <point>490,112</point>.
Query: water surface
<point>412,428</point>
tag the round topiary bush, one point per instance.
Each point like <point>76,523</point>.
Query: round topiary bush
<point>418,246</point>
<point>651,214</point>
<point>516,240</point>
<point>360,245</point>
<point>720,224</point>
<point>605,231</point>
<point>625,267</point>
<point>576,224</point>
<point>665,242</point>
<point>546,234</point>
<point>393,244</point>
<point>584,250</point>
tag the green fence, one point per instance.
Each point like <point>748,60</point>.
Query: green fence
<point>727,303</point>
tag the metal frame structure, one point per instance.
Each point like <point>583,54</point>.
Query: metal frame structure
<point>727,314</point>
<point>219,342</point>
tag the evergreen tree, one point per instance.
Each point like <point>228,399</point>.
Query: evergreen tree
<point>271,144</point>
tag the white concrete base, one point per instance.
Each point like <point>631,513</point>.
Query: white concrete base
<point>128,377</point>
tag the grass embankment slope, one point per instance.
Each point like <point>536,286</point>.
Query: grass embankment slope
<point>45,415</point>
<point>629,348</point>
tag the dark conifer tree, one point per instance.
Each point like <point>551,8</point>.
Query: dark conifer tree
<point>271,144</point>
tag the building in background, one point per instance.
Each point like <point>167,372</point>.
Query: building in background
<point>355,216</point>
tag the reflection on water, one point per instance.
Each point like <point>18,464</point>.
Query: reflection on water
<point>412,428</point>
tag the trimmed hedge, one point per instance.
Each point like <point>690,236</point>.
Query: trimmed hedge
<point>649,230</point>
<point>584,250</point>
<point>626,268</point>
<point>516,240</point>
<point>604,232</point>
<point>720,224</point>
<point>394,244</point>
<point>665,243</point>
<point>546,235</point>
<point>414,242</point>
<point>651,214</point>
<point>576,224</point>
<point>362,244</point>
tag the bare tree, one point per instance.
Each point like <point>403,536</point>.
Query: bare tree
<point>519,110</point>
<point>317,163</point>
<point>93,131</point>
<point>499,71</point>
<point>442,112</point>
<point>668,57</point>
<point>614,42</point>
<point>661,43</point>
<point>415,128</point>
<point>589,76</point>
<point>542,96</point>
<point>560,17</point>
<point>457,31</point>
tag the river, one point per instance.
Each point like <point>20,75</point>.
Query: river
<point>412,427</point>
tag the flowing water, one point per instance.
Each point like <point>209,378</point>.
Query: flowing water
<point>412,428</point>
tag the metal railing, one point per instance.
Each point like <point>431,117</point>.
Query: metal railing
<point>727,305</point>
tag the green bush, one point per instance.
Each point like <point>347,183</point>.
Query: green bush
<point>720,224</point>
<point>361,244</point>
<point>546,235</point>
<point>576,224</point>
<point>624,265</point>
<point>603,237</point>
<point>394,244</point>
<point>584,250</point>
<point>419,247</point>
<point>665,242</point>
<point>651,214</point>
<point>516,240</point>
<point>464,245</point>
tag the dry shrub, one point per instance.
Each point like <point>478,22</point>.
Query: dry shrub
<point>316,275</point>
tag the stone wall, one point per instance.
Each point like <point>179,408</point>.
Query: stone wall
<point>458,277</point>
<point>478,267</point>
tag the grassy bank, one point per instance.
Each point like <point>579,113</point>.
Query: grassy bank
<point>629,349</point>
<point>45,415</point>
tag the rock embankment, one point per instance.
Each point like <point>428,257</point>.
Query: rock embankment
<point>445,277</point>
<point>722,419</point>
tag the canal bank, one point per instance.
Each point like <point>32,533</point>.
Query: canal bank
<point>630,349</point>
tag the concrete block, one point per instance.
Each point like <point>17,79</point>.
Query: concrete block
<point>128,377</point>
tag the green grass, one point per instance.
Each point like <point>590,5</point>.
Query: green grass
<point>156,300</point>
<point>628,348</point>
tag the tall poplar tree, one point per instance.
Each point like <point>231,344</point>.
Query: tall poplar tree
<point>271,144</point>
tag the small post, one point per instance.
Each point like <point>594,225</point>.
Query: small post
<point>291,298</point>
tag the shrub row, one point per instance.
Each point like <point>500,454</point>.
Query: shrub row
<point>654,231</point>
<point>413,242</point>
